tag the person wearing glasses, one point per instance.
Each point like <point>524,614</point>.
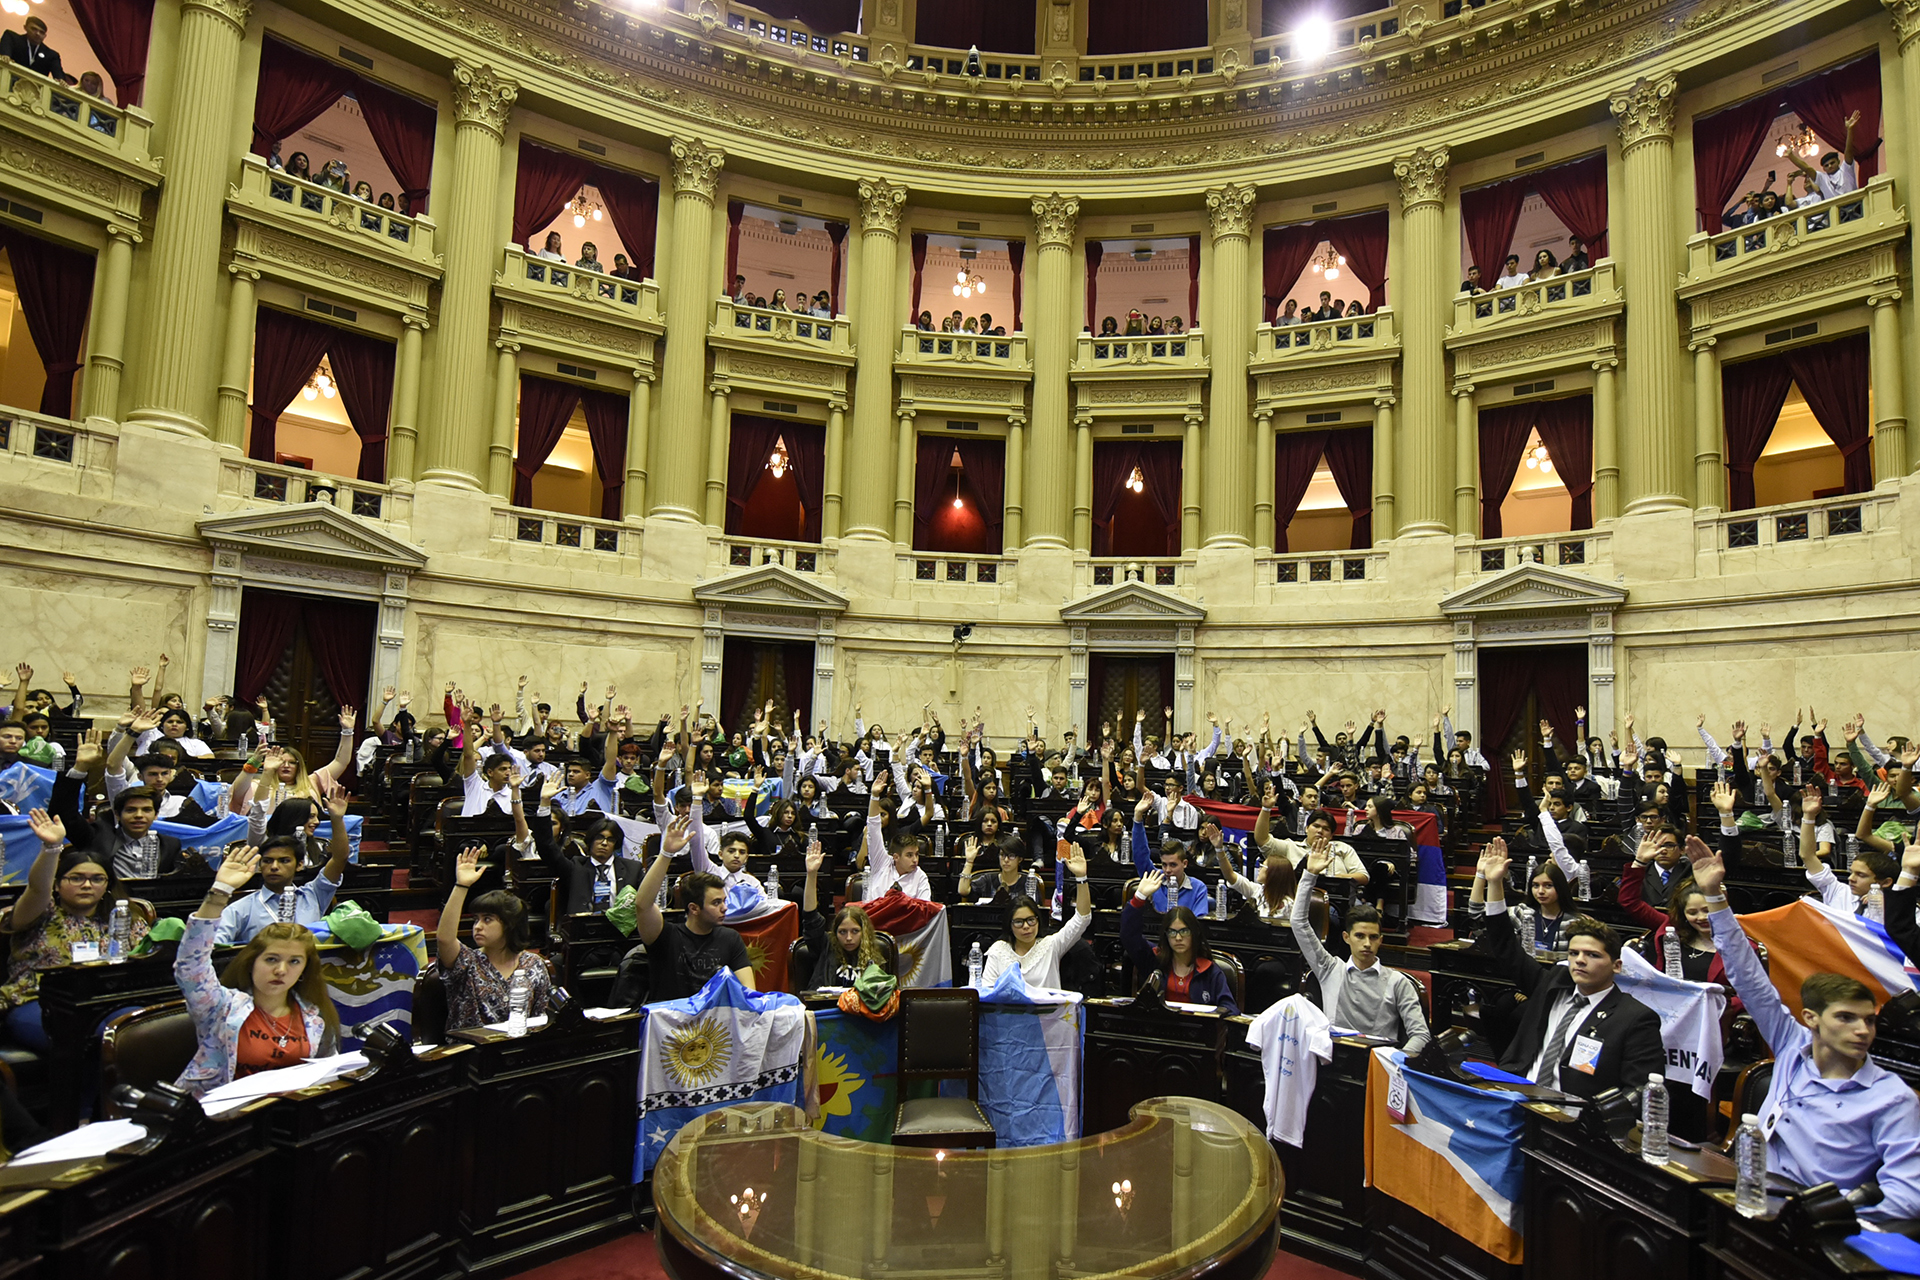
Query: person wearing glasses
<point>60,919</point>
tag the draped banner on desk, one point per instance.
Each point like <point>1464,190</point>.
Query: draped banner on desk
<point>227,829</point>
<point>1808,937</point>
<point>366,985</point>
<point>768,927</point>
<point>919,929</point>
<point>855,1069</point>
<point>25,786</point>
<point>1457,1158</point>
<point>720,1046</point>
<point>1689,1020</point>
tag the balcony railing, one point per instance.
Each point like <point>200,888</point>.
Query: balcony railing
<point>954,350</point>
<point>276,191</point>
<point>1576,549</point>
<point>1091,573</point>
<point>726,554</point>
<point>1292,568</point>
<point>926,567</point>
<point>1171,351</point>
<point>523,527</point>
<point>1736,537</point>
<point>95,121</point>
<point>1788,238</point>
<point>66,444</point>
<point>564,283</point>
<point>1350,334</point>
<point>790,331</point>
<point>246,483</point>
<point>1550,299</point>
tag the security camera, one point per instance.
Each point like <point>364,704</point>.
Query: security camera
<point>973,61</point>
<point>962,631</point>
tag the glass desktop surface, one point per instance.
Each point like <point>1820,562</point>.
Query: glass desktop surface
<point>755,1191</point>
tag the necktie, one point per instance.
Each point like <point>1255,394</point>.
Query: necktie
<point>1549,1075</point>
<point>603,881</point>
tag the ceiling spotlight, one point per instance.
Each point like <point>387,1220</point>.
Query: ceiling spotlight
<point>1313,40</point>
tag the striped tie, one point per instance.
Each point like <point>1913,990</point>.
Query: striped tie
<point>1549,1075</point>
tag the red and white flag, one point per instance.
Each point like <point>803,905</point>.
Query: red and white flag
<point>919,929</point>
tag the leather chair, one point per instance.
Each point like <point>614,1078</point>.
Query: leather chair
<point>430,1007</point>
<point>940,1040</point>
<point>146,1047</point>
<point>1236,976</point>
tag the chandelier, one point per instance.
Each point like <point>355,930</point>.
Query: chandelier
<point>18,8</point>
<point>1537,458</point>
<point>1137,482</point>
<point>1801,141</point>
<point>778,461</point>
<point>320,382</point>
<point>968,284</point>
<point>1326,262</point>
<point>955,465</point>
<point>583,207</point>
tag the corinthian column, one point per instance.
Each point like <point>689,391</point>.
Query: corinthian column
<point>1654,451</point>
<point>1227,518</point>
<point>679,467</point>
<point>455,438</point>
<point>1050,444</point>
<point>1426,482</point>
<point>1890,456</point>
<point>178,377</point>
<point>870,482</point>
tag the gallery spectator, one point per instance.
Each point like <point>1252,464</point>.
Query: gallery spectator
<point>28,48</point>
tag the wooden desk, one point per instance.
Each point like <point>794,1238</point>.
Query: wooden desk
<point>1136,1052</point>
<point>1766,1248</point>
<point>73,1001</point>
<point>549,1156</point>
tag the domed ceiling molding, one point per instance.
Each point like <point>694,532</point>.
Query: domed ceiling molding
<point>1453,78</point>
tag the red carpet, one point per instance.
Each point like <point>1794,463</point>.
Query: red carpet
<point>632,1258</point>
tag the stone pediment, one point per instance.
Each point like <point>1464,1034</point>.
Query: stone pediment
<point>1533,589</point>
<point>769,586</point>
<point>316,532</point>
<point>1132,603</point>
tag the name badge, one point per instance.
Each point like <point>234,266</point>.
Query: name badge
<point>1586,1052</point>
<point>85,951</point>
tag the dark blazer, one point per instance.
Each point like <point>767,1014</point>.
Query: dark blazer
<point>1901,926</point>
<point>573,876</point>
<point>14,45</point>
<point>100,835</point>
<point>1628,1031</point>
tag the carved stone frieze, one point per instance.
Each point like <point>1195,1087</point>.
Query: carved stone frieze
<point>810,375</point>
<point>1852,269</point>
<point>311,256</point>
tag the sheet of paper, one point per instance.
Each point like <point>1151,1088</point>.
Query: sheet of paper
<point>84,1143</point>
<point>265,1084</point>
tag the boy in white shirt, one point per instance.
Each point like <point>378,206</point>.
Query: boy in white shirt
<point>901,867</point>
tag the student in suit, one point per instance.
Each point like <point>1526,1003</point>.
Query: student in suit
<point>1579,1033</point>
<point>587,883</point>
<point>29,49</point>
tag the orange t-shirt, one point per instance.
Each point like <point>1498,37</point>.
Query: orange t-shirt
<point>267,1043</point>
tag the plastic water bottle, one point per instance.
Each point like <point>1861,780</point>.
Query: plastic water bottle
<point>976,965</point>
<point>1220,898</point>
<point>1533,865</point>
<point>773,884</point>
<point>1300,820</point>
<point>287,900</point>
<point>1798,777</point>
<point>1586,881</point>
<point>1876,905</point>
<point>1653,1120</point>
<point>519,995</point>
<point>939,842</point>
<point>1759,794</point>
<point>1031,886</point>
<point>1790,847</point>
<point>1671,954</point>
<point>1059,903</point>
<point>1750,1165</point>
<point>119,933</point>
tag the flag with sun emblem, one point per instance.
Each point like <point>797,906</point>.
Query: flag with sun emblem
<point>768,927</point>
<point>723,1045</point>
<point>919,929</point>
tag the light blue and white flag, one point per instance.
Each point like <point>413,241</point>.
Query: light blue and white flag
<point>26,786</point>
<point>1032,1041</point>
<point>231,827</point>
<point>324,833</point>
<point>721,1046</point>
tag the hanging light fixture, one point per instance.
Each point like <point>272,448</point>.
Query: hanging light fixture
<point>778,461</point>
<point>1801,140</point>
<point>1137,482</point>
<point>967,284</point>
<point>584,208</point>
<point>956,468</point>
<point>320,383</point>
<point>1537,459</point>
<point>1313,40</point>
<point>1326,262</point>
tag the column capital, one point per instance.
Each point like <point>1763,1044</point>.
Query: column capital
<point>1644,112</point>
<point>412,321</point>
<point>1054,219</point>
<point>1697,345</point>
<point>1885,296</point>
<point>719,387</point>
<point>1190,419</point>
<point>1605,366</point>
<point>880,205</point>
<point>1230,211</point>
<point>244,271</point>
<point>644,373</point>
<point>1463,390</point>
<point>1385,401</point>
<point>234,11</point>
<point>906,413</point>
<point>482,96</point>
<point>1906,20</point>
<point>1083,421</point>
<point>121,231</point>
<point>696,168</point>
<point>506,346</point>
<point>1263,416</point>
<point>1422,176</point>
<point>1016,419</point>
<point>836,405</point>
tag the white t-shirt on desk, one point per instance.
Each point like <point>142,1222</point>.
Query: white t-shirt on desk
<point>1293,1037</point>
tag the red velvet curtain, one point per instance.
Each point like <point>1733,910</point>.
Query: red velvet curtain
<point>1556,675</point>
<point>1296,456</point>
<point>545,408</point>
<point>1362,241</point>
<point>363,370</point>
<point>918,248</point>
<point>295,87</point>
<point>1350,458</point>
<point>1826,100</point>
<point>633,202</point>
<point>1566,428</point>
<point>1503,439</point>
<point>1160,469</point>
<point>267,619</point>
<point>996,26</point>
<point>739,664</point>
<point>402,128</point>
<point>340,634</point>
<point>1284,253</point>
<point>1834,377</point>
<point>1751,394</point>
<point>736,210</point>
<point>1095,251</point>
<point>1724,145</point>
<point>826,17</point>
<point>932,473</point>
<point>286,351</point>
<point>1193,282</point>
<point>796,662</point>
<point>983,464</point>
<point>1577,194</point>
<point>1145,26</point>
<point>836,232</point>
<point>1490,215</point>
<point>1113,462</point>
<point>1017,260</point>
<point>606,415</point>
<point>119,31</point>
<point>543,182</point>
<point>55,285</point>
<point>807,456</point>
<point>748,448</point>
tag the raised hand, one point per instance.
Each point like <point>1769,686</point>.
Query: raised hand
<point>698,782</point>
<point>406,696</point>
<point>467,869</point>
<point>549,787</point>
<point>49,830</point>
<point>816,857</point>
<point>1580,714</point>
<point>1494,861</point>
<point>149,719</point>
<point>67,678</point>
<point>1077,862</point>
<point>137,677</point>
<point>1723,798</point>
<point>1645,853</point>
<point>448,691</point>
<point>237,869</point>
<point>347,717</point>
<point>1319,859</point>
<point>1700,720</point>
<point>1149,885</point>
<point>336,801</point>
<point>386,695</point>
<point>1853,119</point>
<point>1709,868</point>
<point>523,683</point>
<point>1881,794</point>
<point>1140,810</point>
<point>1519,764</point>
<point>1811,804</point>
<point>676,836</point>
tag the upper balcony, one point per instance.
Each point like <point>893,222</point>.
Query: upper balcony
<point>59,125</point>
<point>1324,361</point>
<point>1537,327</point>
<point>557,286</point>
<point>1141,374</point>
<point>965,374</point>
<point>1815,257</point>
<point>780,352</point>
<point>1138,355</point>
<point>963,352</point>
<point>367,251</point>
